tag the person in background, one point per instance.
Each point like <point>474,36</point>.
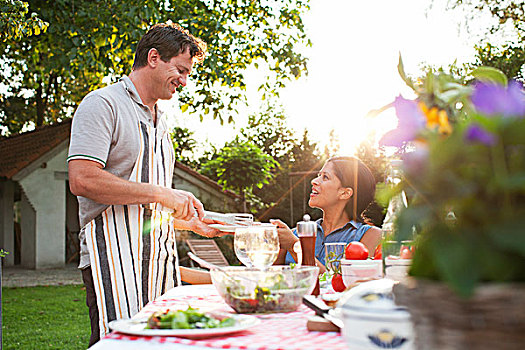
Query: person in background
<point>121,162</point>
<point>343,190</point>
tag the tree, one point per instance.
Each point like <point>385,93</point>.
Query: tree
<point>16,22</point>
<point>510,10</point>
<point>509,58</point>
<point>91,40</point>
<point>377,161</point>
<point>240,166</point>
<point>184,144</point>
<point>268,130</point>
<point>333,146</point>
<point>287,194</point>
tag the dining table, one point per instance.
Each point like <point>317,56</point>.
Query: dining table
<point>274,331</point>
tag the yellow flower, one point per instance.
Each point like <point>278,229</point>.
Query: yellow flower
<point>436,118</point>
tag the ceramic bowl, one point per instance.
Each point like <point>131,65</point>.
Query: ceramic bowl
<point>372,320</point>
<point>396,268</point>
<point>355,270</point>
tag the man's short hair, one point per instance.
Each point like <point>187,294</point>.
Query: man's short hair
<point>170,40</point>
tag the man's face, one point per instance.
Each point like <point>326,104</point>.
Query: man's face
<point>170,75</point>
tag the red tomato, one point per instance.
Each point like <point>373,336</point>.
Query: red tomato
<point>405,253</point>
<point>337,283</point>
<point>356,251</point>
<point>378,253</point>
<point>252,302</point>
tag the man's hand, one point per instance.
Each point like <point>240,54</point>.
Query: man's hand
<point>199,227</point>
<point>184,204</point>
<point>286,237</point>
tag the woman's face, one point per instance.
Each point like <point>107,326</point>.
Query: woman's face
<point>326,189</point>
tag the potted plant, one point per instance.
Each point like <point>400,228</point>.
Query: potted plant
<point>463,152</point>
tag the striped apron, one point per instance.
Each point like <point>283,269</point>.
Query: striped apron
<point>132,248</point>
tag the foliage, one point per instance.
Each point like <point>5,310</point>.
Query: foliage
<point>87,41</point>
<point>466,166</point>
<point>16,22</point>
<point>3,253</point>
<point>333,146</point>
<point>377,161</point>
<point>45,318</point>
<point>509,58</point>
<point>292,183</point>
<point>240,166</point>
<point>184,144</point>
<point>510,10</point>
<point>268,130</point>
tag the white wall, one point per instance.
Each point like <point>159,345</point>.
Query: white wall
<point>28,233</point>
<point>47,194</point>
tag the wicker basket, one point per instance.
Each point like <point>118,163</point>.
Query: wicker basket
<point>493,318</point>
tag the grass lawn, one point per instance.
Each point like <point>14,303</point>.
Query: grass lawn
<point>53,317</point>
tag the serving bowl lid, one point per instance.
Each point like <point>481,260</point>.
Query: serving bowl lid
<point>372,298</point>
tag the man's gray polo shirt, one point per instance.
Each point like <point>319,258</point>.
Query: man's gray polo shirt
<point>105,130</point>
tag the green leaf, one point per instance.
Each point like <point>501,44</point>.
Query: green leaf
<point>509,236</point>
<point>401,70</point>
<point>455,258</point>
<point>490,75</point>
<point>184,107</point>
<point>100,41</point>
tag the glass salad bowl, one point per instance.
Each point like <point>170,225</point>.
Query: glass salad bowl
<point>275,289</point>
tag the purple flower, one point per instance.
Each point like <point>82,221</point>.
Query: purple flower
<point>492,99</point>
<point>475,133</point>
<point>415,162</point>
<point>410,122</point>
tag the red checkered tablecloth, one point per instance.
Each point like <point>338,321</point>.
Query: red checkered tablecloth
<point>276,331</point>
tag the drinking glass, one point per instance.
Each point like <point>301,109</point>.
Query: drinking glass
<point>262,245</point>
<point>334,252</point>
<point>391,248</point>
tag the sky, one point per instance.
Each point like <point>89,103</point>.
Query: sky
<point>353,67</point>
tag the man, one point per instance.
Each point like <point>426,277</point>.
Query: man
<point>121,163</point>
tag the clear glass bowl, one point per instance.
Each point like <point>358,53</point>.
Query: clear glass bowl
<point>277,289</point>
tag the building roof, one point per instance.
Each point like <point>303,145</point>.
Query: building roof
<point>204,179</point>
<point>19,151</point>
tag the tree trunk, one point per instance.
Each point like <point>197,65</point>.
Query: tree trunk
<point>39,106</point>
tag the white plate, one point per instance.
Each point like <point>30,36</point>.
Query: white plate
<point>224,228</point>
<point>129,326</point>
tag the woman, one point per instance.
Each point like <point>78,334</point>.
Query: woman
<point>343,189</point>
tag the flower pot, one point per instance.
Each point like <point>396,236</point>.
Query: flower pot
<point>493,318</point>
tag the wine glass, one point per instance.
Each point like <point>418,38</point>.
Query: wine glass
<point>241,236</point>
<point>257,246</point>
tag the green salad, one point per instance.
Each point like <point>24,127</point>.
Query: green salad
<point>187,319</point>
<point>278,297</point>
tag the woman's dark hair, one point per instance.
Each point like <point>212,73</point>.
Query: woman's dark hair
<point>355,174</point>
<point>170,40</point>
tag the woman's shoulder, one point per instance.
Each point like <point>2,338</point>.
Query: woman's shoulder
<point>361,226</point>
<point>363,229</point>
<point>373,229</point>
